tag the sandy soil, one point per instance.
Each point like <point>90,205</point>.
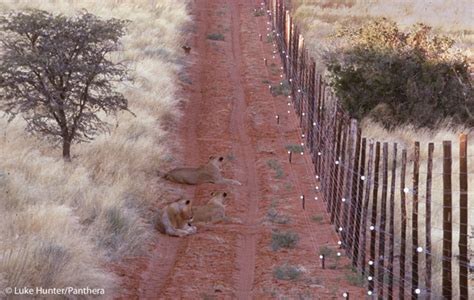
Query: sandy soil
<point>230,112</point>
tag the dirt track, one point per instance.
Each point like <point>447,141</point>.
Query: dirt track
<point>230,112</point>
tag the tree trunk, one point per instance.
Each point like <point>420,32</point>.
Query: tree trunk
<point>67,149</point>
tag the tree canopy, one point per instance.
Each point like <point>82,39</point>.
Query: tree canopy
<point>56,72</point>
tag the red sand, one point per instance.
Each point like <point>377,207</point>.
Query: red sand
<point>231,112</point>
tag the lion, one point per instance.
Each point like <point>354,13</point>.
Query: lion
<point>175,219</point>
<point>208,173</point>
<point>213,211</point>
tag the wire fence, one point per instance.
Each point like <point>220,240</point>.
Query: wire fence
<point>372,193</point>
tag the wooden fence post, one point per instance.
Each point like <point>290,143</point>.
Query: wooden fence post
<point>348,174</point>
<point>463,219</point>
<point>392,223</point>
<point>447,221</point>
<point>360,188</point>
<point>337,169</point>
<point>382,227</point>
<point>368,184</point>
<point>373,220</point>
<point>403,238</point>
<point>340,180</point>
<point>414,224</point>
<point>429,179</point>
<point>354,205</point>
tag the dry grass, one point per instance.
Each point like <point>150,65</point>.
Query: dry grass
<point>61,223</point>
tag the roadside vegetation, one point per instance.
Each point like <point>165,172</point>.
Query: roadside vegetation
<point>62,223</point>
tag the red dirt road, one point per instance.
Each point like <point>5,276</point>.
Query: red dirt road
<point>230,112</point>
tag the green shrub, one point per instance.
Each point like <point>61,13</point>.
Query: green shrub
<point>259,12</point>
<point>216,36</point>
<point>284,240</point>
<point>326,251</point>
<point>355,279</point>
<point>282,88</point>
<point>398,77</point>
<point>277,167</point>
<point>275,217</point>
<point>287,272</point>
<point>317,218</point>
<point>295,148</point>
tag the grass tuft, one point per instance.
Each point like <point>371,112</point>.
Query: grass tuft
<point>277,218</point>
<point>282,88</point>
<point>355,279</point>
<point>295,148</point>
<point>317,218</point>
<point>275,165</point>
<point>216,36</point>
<point>287,272</point>
<point>287,240</point>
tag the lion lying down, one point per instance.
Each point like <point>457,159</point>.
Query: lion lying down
<point>213,211</point>
<point>208,173</point>
<point>175,218</point>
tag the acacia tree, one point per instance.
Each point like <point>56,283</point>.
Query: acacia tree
<point>56,72</point>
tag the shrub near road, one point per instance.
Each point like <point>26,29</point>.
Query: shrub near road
<point>399,77</point>
<point>61,223</point>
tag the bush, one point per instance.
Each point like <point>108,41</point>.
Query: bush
<point>216,36</point>
<point>398,77</point>
<point>287,272</point>
<point>276,217</point>
<point>277,167</point>
<point>284,240</point>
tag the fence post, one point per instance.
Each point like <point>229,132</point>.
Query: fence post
<point>403,237</point>
<point>447,221</point>
<point>354,205</point>
<point>348,181</point>
<point>337,168</point>
<point>392,223</point>
<point>414,224</point>
<point>382,227</point>
<point>340,179</point>
<point>463,219</point>
<point>360,188</point>
<point>429,179</point>
<point>368,183</point>
<point>373,220</point>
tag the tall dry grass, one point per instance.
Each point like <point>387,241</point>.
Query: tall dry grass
<point>319,20</point>
<point>60,223</point>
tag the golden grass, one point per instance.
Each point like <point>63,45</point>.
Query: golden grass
<point>60,223</point>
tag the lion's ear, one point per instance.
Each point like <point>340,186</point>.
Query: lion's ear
<point>211,157</point>
<point>213,194</point>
